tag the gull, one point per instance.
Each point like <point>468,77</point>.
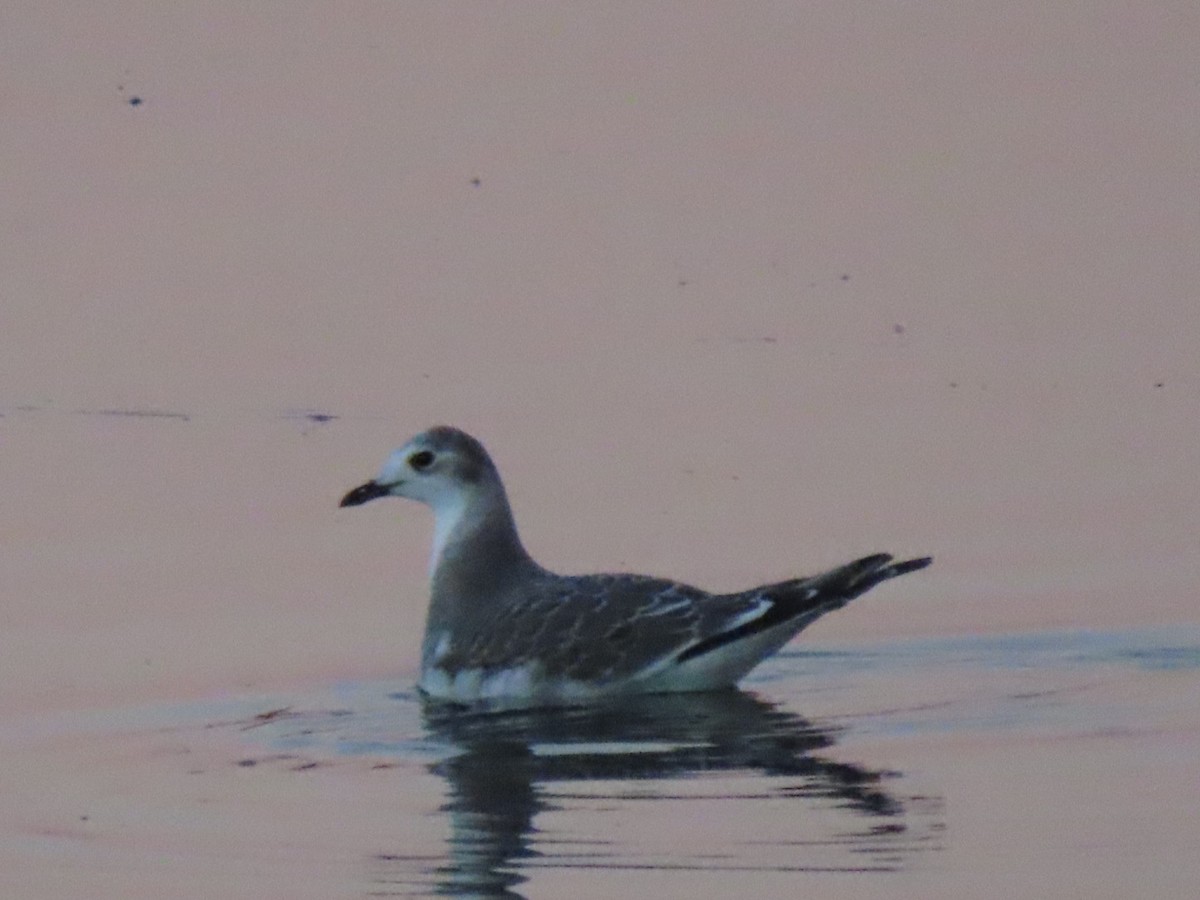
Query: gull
<point>501,627</point>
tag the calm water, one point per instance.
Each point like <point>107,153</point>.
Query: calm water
<point>689,787</point>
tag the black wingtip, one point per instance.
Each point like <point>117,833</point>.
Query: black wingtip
<point>910,565</point>
<point>861,575</point>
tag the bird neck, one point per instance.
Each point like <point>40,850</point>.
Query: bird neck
<point>475,535</point>
<point>477,556</point>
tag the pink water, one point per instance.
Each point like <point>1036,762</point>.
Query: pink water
<point>731,295</point>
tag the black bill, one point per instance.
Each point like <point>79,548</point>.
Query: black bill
<point>364,492</point>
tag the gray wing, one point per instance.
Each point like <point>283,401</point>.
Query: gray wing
<point>595,628</point>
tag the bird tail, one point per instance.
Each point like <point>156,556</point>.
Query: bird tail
<point>802,601</point>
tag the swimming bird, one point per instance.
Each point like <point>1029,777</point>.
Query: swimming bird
<point>502,627</point>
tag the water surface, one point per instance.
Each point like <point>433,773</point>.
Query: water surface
<point>711,791</point>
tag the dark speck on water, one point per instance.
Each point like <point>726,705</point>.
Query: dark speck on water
<point>311,415</point>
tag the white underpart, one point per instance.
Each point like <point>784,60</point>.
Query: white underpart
<point>523,684</point>
<point>517,684</point>
<point>718,668</point>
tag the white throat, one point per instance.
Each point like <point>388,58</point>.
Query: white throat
<point>449,512</point>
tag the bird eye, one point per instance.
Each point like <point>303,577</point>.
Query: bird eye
<point>421,460</point>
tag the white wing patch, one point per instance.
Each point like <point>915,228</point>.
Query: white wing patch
<point>662,609</point>
<point>441,648</point>
<point>757,611</point>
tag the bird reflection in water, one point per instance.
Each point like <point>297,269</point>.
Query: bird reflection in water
<point>505,767</point>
